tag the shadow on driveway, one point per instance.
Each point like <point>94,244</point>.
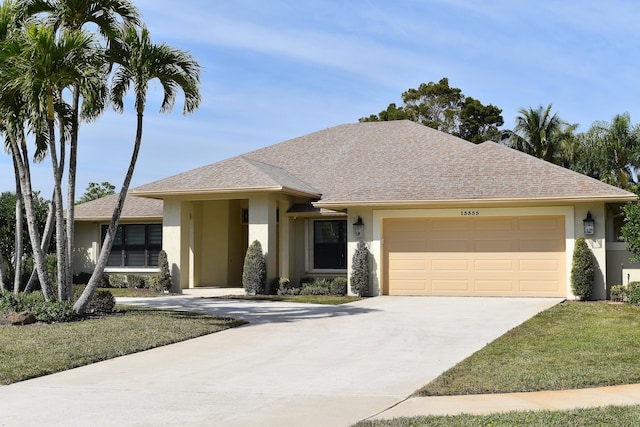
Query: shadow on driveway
<point>254,312</point>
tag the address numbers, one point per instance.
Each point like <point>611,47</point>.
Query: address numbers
<point>469,213</point>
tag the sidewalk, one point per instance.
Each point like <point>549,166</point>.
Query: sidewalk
<point>483,404</point>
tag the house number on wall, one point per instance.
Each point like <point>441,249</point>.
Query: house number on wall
<point>469,213</point>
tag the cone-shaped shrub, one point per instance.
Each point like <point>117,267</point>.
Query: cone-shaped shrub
<point>360,270</point>
<point>254,273</point>
<point>582,270</point>
<point>164,276</point>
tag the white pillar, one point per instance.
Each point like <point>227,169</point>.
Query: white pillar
<point>262,227</point>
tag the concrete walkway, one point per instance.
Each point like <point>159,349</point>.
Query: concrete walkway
<point>534,401</point>
<point>294,364</point>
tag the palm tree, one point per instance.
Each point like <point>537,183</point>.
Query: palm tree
<point>110,17</point>
<point>139,61</point>
<point>615,150</point>
<point>538,133</point>
<point>46,64</point>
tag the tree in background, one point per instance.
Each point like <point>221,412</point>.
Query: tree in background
<point>539,133</point>
<point>10,256</point>
<point>445,108</point>
<point>96,191</point>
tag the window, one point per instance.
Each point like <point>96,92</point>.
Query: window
<point>330,245</point>
<point>135,245</point>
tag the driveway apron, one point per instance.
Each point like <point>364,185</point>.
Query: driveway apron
<point>294,364</point>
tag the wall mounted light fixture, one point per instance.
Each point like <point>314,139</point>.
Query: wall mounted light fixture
<point>589,225</point>
<point>358,227</point>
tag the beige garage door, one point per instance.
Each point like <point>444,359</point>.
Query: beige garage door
<point>511,256</point>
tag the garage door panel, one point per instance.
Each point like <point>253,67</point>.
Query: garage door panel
<point>494,286</point>
<point>449,285</point>
<point>449,265</point>
<point>513,256</point>
<point>493,265</point>
<point>539,265</point>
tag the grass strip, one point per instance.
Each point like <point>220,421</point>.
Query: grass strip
<point>41,349</point>
<point>605,416</point>
<point>572,345</point>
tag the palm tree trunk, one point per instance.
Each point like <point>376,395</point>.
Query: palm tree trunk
<point>18,247</point>
<point>71,191</point>
<point>46,240</point>
<point>34,234</point>
<point>57,201</point>
<point>103,258</point>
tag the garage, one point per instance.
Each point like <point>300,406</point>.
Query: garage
<point>475,256</point>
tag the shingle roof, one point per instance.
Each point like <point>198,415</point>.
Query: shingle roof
<point>134,208</point>
<point>388,162</point>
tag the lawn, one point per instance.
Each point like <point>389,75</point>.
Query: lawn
<point>614,416</point>
<point>41,349</point>
<point>571,345</point>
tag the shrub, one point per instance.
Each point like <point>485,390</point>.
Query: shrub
<point>617,293</point>
<point>52,311</point>
<point>633,293</point>
<point>285,287</point>
<point>164,276</point>
<point>339,286</point>
<point>136,281</point>
<point>117,280</point>
<point>254,272</point>
<point>316,288</point>
<point>102,302</point>
<point>56,311</point>
<point>582,270</point>
<point>360,270</point>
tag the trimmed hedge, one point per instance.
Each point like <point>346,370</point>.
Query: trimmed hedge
<point>582,270</point>
<point>254,272</point>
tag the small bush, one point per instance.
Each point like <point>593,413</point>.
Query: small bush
<point>617,293</point>
<point>360,270</point>
<point>164,276</point>
<point>254,272</point>
<point>285,287</point>
<point>136,281</point>
<point>154,283</point>
<point>316,288</point>
<point>582,270</point>
<point>633,293</point>
<point>102,302</point>
<point>117,280</point>
<point>339,286</point>
<point>52,311</point>
<point>57,311</point>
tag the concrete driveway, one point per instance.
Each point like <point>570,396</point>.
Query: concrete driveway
<point>295,364</point>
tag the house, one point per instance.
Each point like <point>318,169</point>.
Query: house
<point>440,215</point>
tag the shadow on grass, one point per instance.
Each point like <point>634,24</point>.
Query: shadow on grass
<point>255,312</point>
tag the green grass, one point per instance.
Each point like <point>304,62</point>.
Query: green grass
<point>31,351</point>
<point>306,299</point>
<point>572,345</point>
<point>606,416</point>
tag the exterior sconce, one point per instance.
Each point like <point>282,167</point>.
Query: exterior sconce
<point>358,227</point>
<point>589,225</point>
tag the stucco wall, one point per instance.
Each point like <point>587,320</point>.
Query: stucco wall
<point>87,236</point>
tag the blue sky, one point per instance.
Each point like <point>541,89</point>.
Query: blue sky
<point>277,69</point>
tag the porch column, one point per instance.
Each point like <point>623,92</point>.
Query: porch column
<point>173,243</point>
<point>262,227</point>
<point>285,239</point>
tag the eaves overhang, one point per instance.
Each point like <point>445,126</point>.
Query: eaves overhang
<point>335,205</point>
<point>162,194</point>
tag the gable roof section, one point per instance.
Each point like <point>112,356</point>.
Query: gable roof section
<point>231,175</point>
<point>386,163</point>
<point>134,208</point>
